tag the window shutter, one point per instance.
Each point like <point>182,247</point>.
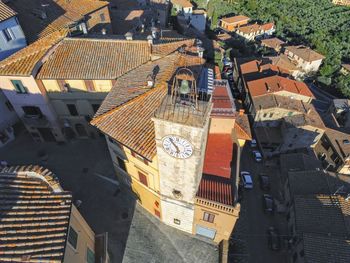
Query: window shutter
<point>89,85</point>
<point>143,179</point>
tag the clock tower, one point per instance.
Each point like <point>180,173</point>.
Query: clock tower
<point>181,129</point>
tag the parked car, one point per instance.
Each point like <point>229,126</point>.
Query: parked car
<point>273,238</point>
<point>257,156</point>
<point>268,204</point>
<point>246,180</point>
<point>253,143</point>
<point>264,181</point>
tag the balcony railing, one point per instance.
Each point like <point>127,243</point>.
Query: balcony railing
<point>39,121</point>
<point>222,207</point>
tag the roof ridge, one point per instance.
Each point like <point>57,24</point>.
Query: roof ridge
<point>104,40</point>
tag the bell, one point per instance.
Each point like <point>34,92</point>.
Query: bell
<point>184,87</point>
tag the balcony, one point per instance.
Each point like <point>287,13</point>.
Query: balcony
<point>38,121</point>
<point>229,209</point>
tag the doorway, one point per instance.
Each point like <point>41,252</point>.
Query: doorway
<point>46,134</point>
<point>81,131</point>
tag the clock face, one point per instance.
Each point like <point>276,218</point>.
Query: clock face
<point>177,147</point>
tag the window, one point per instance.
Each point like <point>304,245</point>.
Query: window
<point>290,113</point>
<point>295,257</point>
<point>302,253</point>
<point>95,107</point>
<point>9,106</point>
<point>121,164</point>
<point>143,179</point>
<point>32,111</point>
<point>102,17</point>
<point>265,114</point>
<point>72,109</point>
<point>177,221</point>
<point>271,114</point>
<point>8,34</point>
<point>157,213</point>
<point>73,237</point>
<point>208,217</point>
<point>90,256</point>
<point>19,87</point>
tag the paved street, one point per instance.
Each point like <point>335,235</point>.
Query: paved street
<point>253,222</point>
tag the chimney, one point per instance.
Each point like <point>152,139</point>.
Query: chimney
<point>128,36</point>
<point>103,31</point>
<point>150,81</point>
<point>308,111</point>
<point>267,87</point>
<point>155,32</point>
<point>200,52</point>
<point>241,112</point>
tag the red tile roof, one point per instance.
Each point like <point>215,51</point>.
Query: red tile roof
<point>218,155</point>
<point>275,84</point>
<point>235,19</point>
<point>256,28</point>
<point>223,104</point>
<point>305,53</point>
<point>216,189</point>
<point>5,12</point>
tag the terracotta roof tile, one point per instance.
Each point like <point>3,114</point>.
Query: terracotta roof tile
<point>346,66</point>
<point>35,214</point>
<point>23,62</point>
<point>235,19</point>
<point>84,58</point>
<point>223,102</point>
<point>274,42</point>
<point>5,12</point>
<point>242,127</point>
<point>216,189</point>
<point>282,61</point>
<point>254,28</point>
<point>305,53</point>
<point>59,14</point>
<point>128,121</point>
<point>274,84</point>
<point>183,3</point>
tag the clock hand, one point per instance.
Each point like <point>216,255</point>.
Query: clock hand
<point>176,147</point>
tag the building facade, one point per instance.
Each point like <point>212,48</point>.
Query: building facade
<point>232,23</point>
<point>8,118</point>
<point>12,37</point>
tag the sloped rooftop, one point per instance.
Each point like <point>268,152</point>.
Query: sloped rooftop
<point>34,217</point>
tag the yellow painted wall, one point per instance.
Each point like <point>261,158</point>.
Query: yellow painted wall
<point>147,198</point>
<point>76,85</point>
<point>102,85</point>
<point>51,85</point>
<point>224,222</point>
<point>86,238</point>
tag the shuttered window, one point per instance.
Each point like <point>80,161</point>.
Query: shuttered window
<point>143,179</point>
<point>73,237</point>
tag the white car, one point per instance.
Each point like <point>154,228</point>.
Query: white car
<point>257,156</point>
<point>246,180</point>
<point>253,143</point>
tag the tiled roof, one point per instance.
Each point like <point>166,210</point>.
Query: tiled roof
<point>323,209</point>
<point>183,3</point>
<point>255,28</point>
<point>290,162</point>
<point>242,127</point>
<point>234,19</point>
<point>320,248</point>
<point>128,87</point>
<point>34,217</point>
<point>223,103</point>
<point>274,84</point>
<point>84,58</point>
<point>258,69</point>
<point>169,45</point>
<point>283,62</point>
<point>218,155</point>
<point>337,138</point>
<point>59,14</point>
<point>5,12</point>
<point>216,189</point>
<point>308,182</point>
<point>274,42</point>
<point>305,53</point>
<point>23,62</point>
<point>128,121</point>
<point>346,66</point>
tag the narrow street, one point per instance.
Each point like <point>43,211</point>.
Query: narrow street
<point>255,222</point>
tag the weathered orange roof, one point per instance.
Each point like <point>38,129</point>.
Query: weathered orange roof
<point>5,12</point>
<point>23,62</point>
<point>35,214</point>
<point>235,19</point>
<point>346,66</point>
<point>90,58</point>
<point>242,127</point>
<point>128,120</point>
<point>283,61</point>
<point>218,155</point>
<point>305,53</point>
<point>183,3</point>
<point>256,28</point>
<point>60,14</point>
<point>274,84</point>
<point>216,189</point>
<point>274,42</point>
